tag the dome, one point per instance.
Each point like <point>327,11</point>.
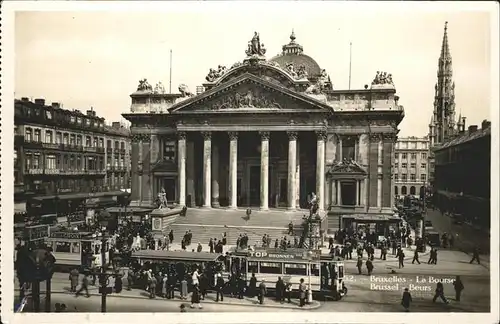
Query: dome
<point>293,53</point>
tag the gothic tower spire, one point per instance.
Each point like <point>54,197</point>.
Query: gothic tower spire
<point>443,118</point>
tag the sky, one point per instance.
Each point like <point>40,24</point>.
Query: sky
<point>96,58</point>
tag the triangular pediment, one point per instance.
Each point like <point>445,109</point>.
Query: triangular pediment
<point>249,93</point>
<point>346,167</point>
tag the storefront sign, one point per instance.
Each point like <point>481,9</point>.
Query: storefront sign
<point>37,232</point>
<point>66,235</point>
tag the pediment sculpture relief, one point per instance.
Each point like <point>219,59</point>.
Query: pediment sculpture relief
<point>184,90</point>
<point>144,85</point>
<point>346,166</point>
<point>248,99</point>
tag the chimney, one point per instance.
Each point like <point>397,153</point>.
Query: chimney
<point>485,124</point>
<point>116,125</point>
<point>472,128</point>
<point>56,105</point>
<point>25,99</point>
<point>40,101</point>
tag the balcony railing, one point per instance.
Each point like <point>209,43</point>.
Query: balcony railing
<point>65,172</point>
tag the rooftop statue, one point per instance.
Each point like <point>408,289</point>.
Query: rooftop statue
<point>144,85</point>
<point>184,90</point>
<point>159,88</point>
<point>215,74</point>
<point>302,72</point>
<point>255,47</point>
<point>382,78</point>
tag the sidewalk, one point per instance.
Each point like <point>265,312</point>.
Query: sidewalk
<point>59,287</point>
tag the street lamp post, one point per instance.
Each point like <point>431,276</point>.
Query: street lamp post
<point>309,288</point>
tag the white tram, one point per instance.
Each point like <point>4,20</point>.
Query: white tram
<point>322,273</point>
<point>77,249</point>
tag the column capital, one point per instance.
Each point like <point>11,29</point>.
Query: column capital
<point>206,135</point>
<point>321,135</point>
<point>264,135</point>
<point>292,135</point>
<point>145,138</point>
<point>233,135</point>
<point>136,138</point>
<point>375,137</point>
<point>181,135</point>
<point>389,137</point>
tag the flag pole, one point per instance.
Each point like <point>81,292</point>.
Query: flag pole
<point>170,81</point>
<point>350,63</point>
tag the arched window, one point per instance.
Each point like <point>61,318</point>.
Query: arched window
<point>413,190</point>
<point>403,190</point>
<point>396,191</point>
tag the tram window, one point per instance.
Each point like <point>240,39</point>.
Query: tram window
<point>296,269</point>
<point>270,267</point>
<point>86,246</point>
<point>76,247</point>
<point>253,267</point>
<point>314,269</point>
<point>64,247</point>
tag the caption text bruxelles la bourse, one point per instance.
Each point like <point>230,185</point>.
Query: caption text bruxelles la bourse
<point>397,283</point>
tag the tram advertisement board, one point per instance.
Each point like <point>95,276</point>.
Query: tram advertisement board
<point>286,254</point>
<point>37,232</point>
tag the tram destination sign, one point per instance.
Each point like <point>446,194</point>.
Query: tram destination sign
<point>68,235</point>
<point>285,255</point>
<point>37,232</point>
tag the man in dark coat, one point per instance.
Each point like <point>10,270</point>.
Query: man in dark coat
<point>475,256</point>
<point>241,287</point>
<point>85,286</point>
<point>302,293</point>
<point>171,236</point>
<point>280,290</point>
<point>459,286</point>
<point>415,257</point>
<point>369,266</point>
<point>219,286</point>
<point>73,278</point>
<point>401,258</point>
<point>211,245</point>
<point>406,300</point>
<point>439,293</point>
<point>252,288</point>
<point>152,287</point>
<point>262,292</point>
<point>359,265</point>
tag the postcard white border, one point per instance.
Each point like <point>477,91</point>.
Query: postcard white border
<point>8,10</point>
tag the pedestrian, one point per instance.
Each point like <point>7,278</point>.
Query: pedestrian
<point>252,287</point>
<point>302,293</point>
<point>224,239</point>
<point>199,248</point>
<point>241,286</point>
<point>475,255</point>
<point>171,236</point>
<point>84,286</point>
<point>330,243</point>
<point>220,287</point>
<point>74,277</point>
<point>262,292</point>
<point>401,258</point>
<point>280,289</point>
<point>451,241</point>
<point>439,293</point>
<point>184,289</point>
<point>290,228</point>
<point>196,277</point>
<point>152,287</point>
<point>369,266</point>
<point>211,245</point>
<point>359,265</point>
<point>195,297</point>
<point>383,253</point>
<point>406,300</point>
<point>288,292</point>
<point>276,244</point>
<point>415,257</point>
<point>203,286</point>
<point>459,287</point>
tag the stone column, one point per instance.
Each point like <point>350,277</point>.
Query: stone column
<point>207,169</point>
<point>339,193</point>
<point>320,169</point>
<point>357,192</point>
<point>297,176</point>
<point>135,190</point>
<point>364,193</point>
<point>215,176</point>
<point>379,191</point>
<point>181,164</point>
<point>333,192</point>
<point>146,169</point>
<point>233,170</point>
<point>190,175</point>
<point>264,170</point>
<point>339,147</point>
<point>292,160</point>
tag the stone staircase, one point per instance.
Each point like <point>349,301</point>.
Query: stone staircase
<point>212,223</point>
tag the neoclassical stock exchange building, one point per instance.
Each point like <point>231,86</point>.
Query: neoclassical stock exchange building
<point>266,134</point>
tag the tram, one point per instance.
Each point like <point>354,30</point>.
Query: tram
<point>76,249</point>
<point>321,272</point>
